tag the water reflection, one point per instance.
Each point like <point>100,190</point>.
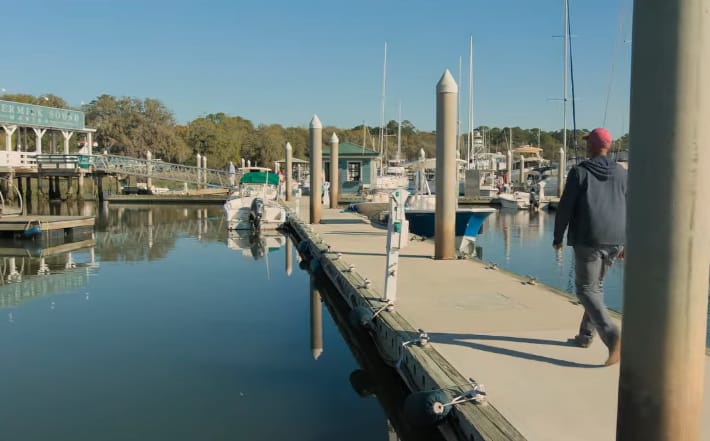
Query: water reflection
<point>372,378</point>
<point>136,233</point>
<point>255,245</point>
<point>28,273</point>
<point>316,321</point>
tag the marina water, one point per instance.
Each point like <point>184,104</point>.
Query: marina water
<point>161,331</point>
<point>167,329</point>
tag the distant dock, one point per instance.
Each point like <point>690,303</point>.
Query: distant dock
<point>51,228</point>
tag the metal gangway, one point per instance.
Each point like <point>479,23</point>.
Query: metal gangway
<point>157,169</point>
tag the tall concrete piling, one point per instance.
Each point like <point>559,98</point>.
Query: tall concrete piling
<point>446,173</point>
<point>315,144</point>
<point>149,180</point>
<point>289,172</point>
<point>334,179</point>
<point>668,235</point>
<point>204,171</point>
<point>198,161</point>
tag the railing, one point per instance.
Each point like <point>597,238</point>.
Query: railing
<point>157,169</point>
<point>18,159</point>
<point>124,165</point>
<point>63,161</point>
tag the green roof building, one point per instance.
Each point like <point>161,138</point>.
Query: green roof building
<point>357,166</point>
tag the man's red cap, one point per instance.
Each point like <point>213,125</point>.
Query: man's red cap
<point>599,137</point>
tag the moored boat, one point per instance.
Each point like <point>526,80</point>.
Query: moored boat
<point>253,204</point>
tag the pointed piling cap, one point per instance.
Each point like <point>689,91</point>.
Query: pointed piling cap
<point>447,84</point>
<point>288,147</point>
<point>333,138</point>
<point>315,122</point>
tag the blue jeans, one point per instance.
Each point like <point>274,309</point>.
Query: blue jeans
<point>591,265</point>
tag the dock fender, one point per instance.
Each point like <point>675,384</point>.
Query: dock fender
<point>362,383</point>
<point>314,266</point>
<point>303,246</point>
<point>426,408</point>
<point>360,316</point>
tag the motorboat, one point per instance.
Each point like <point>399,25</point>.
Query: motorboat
<point>420,212</point>
<point>522,200</point>
<point>253,204</point>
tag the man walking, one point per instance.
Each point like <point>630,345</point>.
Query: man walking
<point>593,206</point>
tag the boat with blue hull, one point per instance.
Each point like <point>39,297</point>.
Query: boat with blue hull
<point>468,221</point>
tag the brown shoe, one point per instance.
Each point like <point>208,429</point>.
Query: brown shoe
<point>614,352</point>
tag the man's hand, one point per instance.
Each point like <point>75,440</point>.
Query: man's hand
<point>621,254</point>
<point>557,245</point>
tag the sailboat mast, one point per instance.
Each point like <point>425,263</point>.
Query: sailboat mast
<point>470,104</point>
<point>458,114</point>
<point>399,134</point>
<point>382,115</point>
<point>566,72</point>
<point>364,134</point>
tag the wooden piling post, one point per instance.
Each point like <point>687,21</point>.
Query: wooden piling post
<point>316,152</point>
<point>334,180</point>
<point>446,173</point>
<point>100,183</point>
<point>668,239</point>
<point>289,171</point>
<point>149,169</point>
<point>80,186</point>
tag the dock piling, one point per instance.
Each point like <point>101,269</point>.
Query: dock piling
<point>198,161</point>
<point>668,240</point>
<point>446,174</point>
<point>334,181</point>
<point>289,171</point>
<point>316,153</point>
<point>149,179</point>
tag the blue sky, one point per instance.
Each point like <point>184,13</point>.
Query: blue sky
<point>282,61</point>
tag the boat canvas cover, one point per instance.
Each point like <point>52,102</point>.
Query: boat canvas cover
<point>260,178</point>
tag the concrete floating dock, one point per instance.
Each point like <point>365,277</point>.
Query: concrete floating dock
<point>487,324</point>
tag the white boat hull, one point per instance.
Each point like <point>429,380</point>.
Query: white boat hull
<point>238,210</point>
<point>519,201</point>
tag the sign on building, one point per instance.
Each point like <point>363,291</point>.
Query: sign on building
<point>33,115</point>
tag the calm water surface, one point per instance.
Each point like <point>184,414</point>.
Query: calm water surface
<point>165,329</point>
<point>521,241</point>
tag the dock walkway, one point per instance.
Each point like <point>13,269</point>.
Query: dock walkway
<point>493,326</point>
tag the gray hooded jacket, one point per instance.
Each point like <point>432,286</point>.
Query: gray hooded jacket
<point>593,204</point>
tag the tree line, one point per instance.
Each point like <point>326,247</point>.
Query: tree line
<point>131,126</point>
